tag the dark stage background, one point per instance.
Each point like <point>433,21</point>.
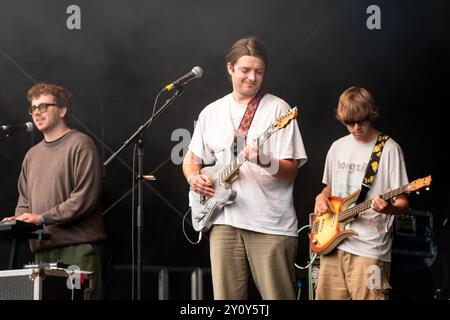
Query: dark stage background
<point>126,51</point>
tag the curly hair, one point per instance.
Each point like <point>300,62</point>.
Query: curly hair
<point>61,94</point>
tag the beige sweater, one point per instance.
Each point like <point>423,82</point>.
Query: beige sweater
<point>61,180</point>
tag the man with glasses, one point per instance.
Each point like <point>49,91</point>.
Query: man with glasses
<point>359,267</point>
<point>60,185</point>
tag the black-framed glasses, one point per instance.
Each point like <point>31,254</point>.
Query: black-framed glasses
<point>353,122</point>
<point>42,107</point>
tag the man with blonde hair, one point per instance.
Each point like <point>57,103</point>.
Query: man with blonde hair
<point>346,272</point>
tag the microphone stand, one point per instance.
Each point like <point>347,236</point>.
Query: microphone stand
<point>138,139</point>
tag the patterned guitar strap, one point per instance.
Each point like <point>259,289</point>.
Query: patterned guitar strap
<point>240,136</point>
<point>372,167</point>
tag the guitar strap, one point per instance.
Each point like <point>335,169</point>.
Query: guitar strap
<point>372,167</point>
<point>246,121</point>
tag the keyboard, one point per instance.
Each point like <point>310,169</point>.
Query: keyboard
<point>17,225</point>
<point>21,230</point>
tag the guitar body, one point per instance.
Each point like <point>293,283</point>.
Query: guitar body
<point>204,210</point>
<point>326,230</point>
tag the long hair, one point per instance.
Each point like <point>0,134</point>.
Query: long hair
<point>249,46</point>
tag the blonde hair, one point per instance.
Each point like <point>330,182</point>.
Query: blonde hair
<point>356,103</point>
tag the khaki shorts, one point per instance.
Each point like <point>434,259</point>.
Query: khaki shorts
<point>345,276</point>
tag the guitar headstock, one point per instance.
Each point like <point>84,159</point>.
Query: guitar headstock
<point>285,119</point>
<point>419,183</point>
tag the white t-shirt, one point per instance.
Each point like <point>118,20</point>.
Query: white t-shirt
<point>345,168</point>
<point>263,203</point>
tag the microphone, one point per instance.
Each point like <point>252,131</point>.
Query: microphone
<point>196,72</point>
<point>9,128</point>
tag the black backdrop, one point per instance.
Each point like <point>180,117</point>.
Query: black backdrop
<point>126,51</point>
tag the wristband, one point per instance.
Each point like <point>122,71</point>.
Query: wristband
<point>192,175</point>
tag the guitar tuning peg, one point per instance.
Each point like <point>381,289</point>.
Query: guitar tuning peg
<point>427,188</point>
<point>417,192</point>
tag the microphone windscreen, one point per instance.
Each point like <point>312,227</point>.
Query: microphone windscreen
<point>198,71</point>
<point>29,126</point>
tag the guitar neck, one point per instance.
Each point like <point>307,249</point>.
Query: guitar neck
<point>363,206</point>
<point>231,169</point>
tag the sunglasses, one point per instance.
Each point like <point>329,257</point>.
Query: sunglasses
<point>353,122</point>
<point>42,107</point>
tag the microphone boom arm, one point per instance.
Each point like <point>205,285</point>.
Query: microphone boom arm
<point>145,125</point>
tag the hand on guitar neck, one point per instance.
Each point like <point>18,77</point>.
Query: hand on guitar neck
<point>254,154</point>
<point>399,205</point>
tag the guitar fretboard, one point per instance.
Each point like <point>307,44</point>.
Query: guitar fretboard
<point>231,169</point>
<point>351,212</point>
<point>239,160</point>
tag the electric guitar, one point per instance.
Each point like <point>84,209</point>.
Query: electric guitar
<point>205,209</point>
<point>327,230</point>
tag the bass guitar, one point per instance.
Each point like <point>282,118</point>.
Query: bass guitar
<point>328,229</point>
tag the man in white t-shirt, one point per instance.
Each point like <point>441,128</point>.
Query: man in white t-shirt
<point>257,233</point>
<point>359,267</point>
